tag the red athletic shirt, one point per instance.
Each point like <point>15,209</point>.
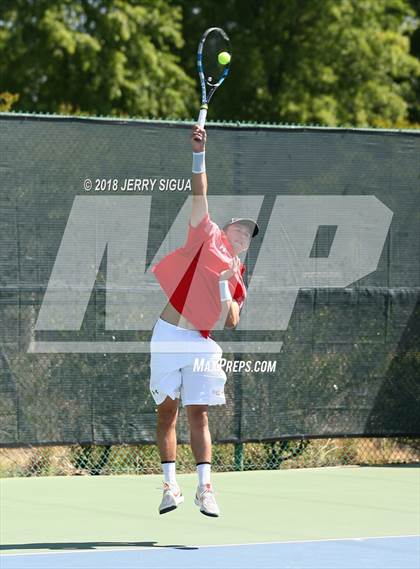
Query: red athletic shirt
<point>189,276</point>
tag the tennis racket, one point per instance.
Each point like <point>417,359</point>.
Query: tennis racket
<point>212,73</point>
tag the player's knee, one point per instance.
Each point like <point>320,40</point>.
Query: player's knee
<point>167,414</point>
<point>167,419</point>
<point>198,416</point>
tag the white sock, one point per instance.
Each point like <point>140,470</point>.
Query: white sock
<point>204,472</point>
<point>169,472</point>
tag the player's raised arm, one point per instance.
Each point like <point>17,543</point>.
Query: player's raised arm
<point>199,177</point>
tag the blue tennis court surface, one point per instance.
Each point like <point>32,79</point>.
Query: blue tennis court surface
<point>360,553</point>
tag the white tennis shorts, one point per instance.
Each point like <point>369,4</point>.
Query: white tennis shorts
<point>185,365</point>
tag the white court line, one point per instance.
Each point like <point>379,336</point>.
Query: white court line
<point>161,547</point>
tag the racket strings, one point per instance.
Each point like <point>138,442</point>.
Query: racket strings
<point>214,44</point>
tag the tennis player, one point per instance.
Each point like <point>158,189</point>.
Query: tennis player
<point>204,286</point>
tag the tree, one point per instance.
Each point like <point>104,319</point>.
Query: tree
<point>325,61</point>
<point>113,57</point>
<point>415,51</point>
<point>7,100</point>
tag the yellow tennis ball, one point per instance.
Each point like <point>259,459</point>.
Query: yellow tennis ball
<point>223,58</point>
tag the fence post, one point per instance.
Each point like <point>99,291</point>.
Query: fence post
<point>239,456</point>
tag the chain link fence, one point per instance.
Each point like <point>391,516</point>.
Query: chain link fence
<point>349,361</point>
<point>144,459</point>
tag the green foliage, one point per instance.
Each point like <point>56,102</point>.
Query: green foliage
<point>145,459</point>
<point>7,100</point>
<point>347,62</point>
<point>414,102</point>
<point>113,57</point>
<point>325,61</point>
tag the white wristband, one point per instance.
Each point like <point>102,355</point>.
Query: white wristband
<point>224,291</point>
<point>199,162</point>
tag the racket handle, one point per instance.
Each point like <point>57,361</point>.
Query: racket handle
<point>202,116</point>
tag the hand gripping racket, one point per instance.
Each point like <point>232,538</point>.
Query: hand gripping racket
<point>213,48</point>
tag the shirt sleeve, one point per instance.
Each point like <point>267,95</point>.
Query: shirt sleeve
<point>205,230</point>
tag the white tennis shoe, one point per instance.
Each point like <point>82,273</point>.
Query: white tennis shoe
<point>172,497</point>
<point>206,500</point>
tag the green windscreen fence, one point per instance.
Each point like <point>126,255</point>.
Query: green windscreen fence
<point>329,338</point>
